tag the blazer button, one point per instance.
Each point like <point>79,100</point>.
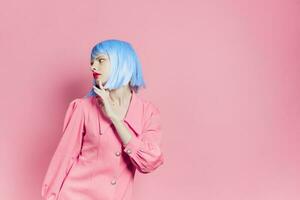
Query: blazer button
<point>128,151</point>
<point>113,182</point>
<point>100,133</point>
<point>118,153</point>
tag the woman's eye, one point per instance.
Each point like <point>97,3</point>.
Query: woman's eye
<point>100,60</point>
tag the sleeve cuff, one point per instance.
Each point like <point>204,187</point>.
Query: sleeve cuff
<point>132,146</point>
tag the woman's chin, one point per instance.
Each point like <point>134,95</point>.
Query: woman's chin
<point>97,80</point>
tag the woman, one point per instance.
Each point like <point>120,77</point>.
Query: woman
<point>108,134</point>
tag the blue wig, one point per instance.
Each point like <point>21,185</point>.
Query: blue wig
<point>125,65</point>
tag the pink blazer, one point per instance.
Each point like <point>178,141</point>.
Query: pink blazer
<point>91,162</point>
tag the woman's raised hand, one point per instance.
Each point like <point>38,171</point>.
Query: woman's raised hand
<point>105,101</point>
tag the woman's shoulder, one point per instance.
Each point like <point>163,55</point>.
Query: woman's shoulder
<point>81,102</point>
<point>77,101</point>
<point>80,105</point>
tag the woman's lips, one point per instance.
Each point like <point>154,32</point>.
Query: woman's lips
<point>96,74</point>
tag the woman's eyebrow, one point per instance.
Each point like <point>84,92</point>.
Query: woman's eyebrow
<point>102,56</point>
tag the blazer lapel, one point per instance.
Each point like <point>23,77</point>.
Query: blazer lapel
<point>134,116</point>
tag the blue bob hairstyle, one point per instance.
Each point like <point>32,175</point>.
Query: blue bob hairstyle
<point>125,65</point>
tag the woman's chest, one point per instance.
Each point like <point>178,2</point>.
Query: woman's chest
<point>100,140</point>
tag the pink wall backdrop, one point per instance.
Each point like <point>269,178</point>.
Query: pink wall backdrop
<point>225,74</point>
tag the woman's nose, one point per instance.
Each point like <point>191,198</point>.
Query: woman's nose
<point>93,68</point>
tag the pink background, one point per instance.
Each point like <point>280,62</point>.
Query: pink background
<point>225,74</point>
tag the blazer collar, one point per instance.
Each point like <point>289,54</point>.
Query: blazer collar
<point>133,118</point>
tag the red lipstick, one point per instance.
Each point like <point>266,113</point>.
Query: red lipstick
<point>95,74</point>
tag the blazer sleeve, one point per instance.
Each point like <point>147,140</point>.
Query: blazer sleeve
<point>66,152</point>
<point>145,150</point>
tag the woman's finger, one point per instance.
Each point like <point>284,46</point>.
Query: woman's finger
<point>101,86</point>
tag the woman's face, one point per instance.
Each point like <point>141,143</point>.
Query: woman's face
<point>100,67</point>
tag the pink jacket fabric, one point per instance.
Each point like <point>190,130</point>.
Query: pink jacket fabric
<point>91,162</point>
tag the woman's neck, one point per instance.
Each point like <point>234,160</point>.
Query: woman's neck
<point>121,95</point>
